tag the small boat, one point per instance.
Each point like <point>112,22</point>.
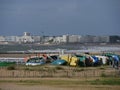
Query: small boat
<point>59,62</point>
<point>71,59</point>
<point>6,63</point>
<point>96,61</point>
<point>81,60</point>
<point>103,58</point>
<point>35,61</point>
<point>113,59</point>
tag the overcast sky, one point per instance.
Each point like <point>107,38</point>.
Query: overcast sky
<point>58,17</point>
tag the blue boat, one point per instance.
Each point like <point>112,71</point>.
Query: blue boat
<point>59,62</point>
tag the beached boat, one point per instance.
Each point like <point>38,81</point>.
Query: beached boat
<point>6,63</point>
<point>113,59</point>
<point>59,62</point>
<point>81,60</point>
<point>35,61</point>
<point>71,59</point>
<point>103,58</point>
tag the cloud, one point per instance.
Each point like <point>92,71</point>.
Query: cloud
<point>60,16</point>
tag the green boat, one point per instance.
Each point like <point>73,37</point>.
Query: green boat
<point>6,63</point>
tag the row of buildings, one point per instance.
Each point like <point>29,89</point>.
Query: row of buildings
<point>27,38</point>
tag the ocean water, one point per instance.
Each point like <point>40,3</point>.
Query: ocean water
<point>67,48</point>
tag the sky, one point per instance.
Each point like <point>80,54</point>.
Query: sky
<point>60,17</point>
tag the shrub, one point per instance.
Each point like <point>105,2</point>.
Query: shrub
<point>102,68</point>
<point>26,69</point>
<point>59,68</point>
<point>103,75</point>
<point>11,68</point>
<point>79,70</point>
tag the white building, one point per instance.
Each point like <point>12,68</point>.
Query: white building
<point>65,38</point>
<point>58,39</point>
<point>37,38</point>
<point>26,34</point>
<point>74,38</point>
<point>101,39</point>
<point>87,39</point>
<point>105,39</point>
<point>18,39</point>
<point>10,38</point>
<point>2,38</point>
<point>61,39</point>
<point>26,38</point>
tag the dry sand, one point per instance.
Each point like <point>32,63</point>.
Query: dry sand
<point>16,86</point>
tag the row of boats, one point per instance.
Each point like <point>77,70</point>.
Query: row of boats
<point>82,60</point>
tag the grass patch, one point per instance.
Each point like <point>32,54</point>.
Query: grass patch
<point>106,81</point>
<point>52,82</point>
<point>68,82</point>
<point>56,82</point>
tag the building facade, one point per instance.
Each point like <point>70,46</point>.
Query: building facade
<point>27,38</point>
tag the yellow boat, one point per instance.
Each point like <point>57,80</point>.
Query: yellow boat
<point>72,60</point>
